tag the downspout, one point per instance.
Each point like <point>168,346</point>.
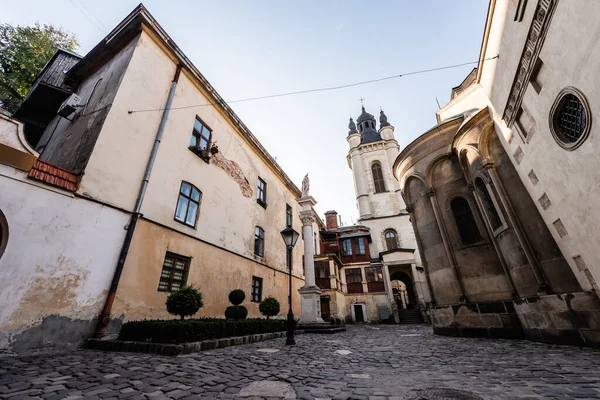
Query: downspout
<point>104,318</point>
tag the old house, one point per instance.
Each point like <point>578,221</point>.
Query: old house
<point>127,193</point>
<point>372,271</point>
<point>502,191</point>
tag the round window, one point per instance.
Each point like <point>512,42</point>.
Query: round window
<point>570,119</point>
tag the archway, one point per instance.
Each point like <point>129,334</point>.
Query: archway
<point>404,293</point>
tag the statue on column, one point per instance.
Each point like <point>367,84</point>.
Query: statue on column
<point>305,186</point>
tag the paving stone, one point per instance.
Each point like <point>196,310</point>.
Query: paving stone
<point>390,362</point>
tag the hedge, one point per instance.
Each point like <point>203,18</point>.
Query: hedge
<point>195,330</point>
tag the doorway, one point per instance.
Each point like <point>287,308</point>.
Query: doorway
<point>358,313</point>
<point>325,309</point>
<point>404,293</point>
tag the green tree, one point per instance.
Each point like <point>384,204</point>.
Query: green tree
<point>184,302</point>
<point>24,50</point>
<point>269,307</point>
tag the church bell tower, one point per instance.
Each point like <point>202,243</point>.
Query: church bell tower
<point>371,158</point>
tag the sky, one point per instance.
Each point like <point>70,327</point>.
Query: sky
<point>262,47</point>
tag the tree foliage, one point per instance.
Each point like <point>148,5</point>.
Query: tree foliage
<point>237,296</point>
<point>269,307</point>
<point>24,50</point>
<point>184,302</point>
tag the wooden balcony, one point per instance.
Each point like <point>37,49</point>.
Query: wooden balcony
<point>354,288</point>
<point>375,287</point>
<point>330,247</point>
<point>355,258</point>
<point>323,283</point>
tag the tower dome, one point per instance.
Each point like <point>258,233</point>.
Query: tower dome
<point>367,127</point>
<point>351,127</point>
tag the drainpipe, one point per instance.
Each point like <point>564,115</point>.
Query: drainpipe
<point>104,318</point>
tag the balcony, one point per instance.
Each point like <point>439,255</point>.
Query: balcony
<point>354,288</point>
<point>330,247</point>
<point>323,283</point>
<point>376,286</point>
<point>355,258</point>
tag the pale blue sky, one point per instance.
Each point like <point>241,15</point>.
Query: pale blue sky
<point>255,48</point>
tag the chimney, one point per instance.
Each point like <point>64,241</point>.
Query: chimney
<point>331,220</point>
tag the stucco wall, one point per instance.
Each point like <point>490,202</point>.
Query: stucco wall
<point>214,271</point>
<point>228,211</point>
<point>57,265</point>
<point>567,178</point>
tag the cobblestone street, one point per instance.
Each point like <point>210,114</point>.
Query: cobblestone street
<point>363,363</point>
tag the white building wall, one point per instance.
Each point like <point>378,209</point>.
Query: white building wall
<point>58,263</point>
<point>567,178</point>
<point>228,211</point>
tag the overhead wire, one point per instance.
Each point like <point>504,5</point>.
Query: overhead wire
<point>321,89</point>
<point>93,15</point>
<point>104,30</point>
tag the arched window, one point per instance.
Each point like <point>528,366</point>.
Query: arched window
<point>391,239</point>
<point>188,204</point>
<point>259,241</point>
<point>378,177</point>
<point>488,204</point>
<point>465,221</point>
<point>3,233</point>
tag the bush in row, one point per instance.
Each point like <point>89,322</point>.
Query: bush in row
<point>194,330</point>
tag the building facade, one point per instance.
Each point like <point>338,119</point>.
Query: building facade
<point>372,271</point>
<point>132,194</point>
<point>501,191</point>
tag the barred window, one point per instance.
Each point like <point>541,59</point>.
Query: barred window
<point>174,272</point>
<point>570,119</point>
<point>353,275</point>
<point>257,284</point>
<point>378,177</point>
<point>374,274</point>
<point>465,221</point>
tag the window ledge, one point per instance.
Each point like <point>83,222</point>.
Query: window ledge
<point>262,203</point>
<point>203,154</point>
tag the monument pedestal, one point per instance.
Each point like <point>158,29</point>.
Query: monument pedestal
<point>310,306</point>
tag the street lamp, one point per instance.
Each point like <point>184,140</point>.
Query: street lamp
<point>290,237</point>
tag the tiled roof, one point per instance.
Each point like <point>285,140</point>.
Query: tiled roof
<point>55,176</point>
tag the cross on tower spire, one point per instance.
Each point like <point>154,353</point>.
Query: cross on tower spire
<point>362,103</point>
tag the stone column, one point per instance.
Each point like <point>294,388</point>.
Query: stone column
<point>512,217</point>
<point>449,253</point>
<point>422,252</point>
<point>310,292</point>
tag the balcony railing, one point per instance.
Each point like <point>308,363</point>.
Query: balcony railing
<point>354,258</point>
<point>376,286</point>
<point>323,283</point>
<point>330,247</point>
<point>354,287</point>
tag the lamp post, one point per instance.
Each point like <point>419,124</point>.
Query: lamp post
<point>290,237</point>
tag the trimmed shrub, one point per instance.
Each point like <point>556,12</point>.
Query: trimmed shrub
<point>184,302</point>
<point>237,296</point>
<point>236,312</point>
<point>269,307</point>
<point>195,330</point>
